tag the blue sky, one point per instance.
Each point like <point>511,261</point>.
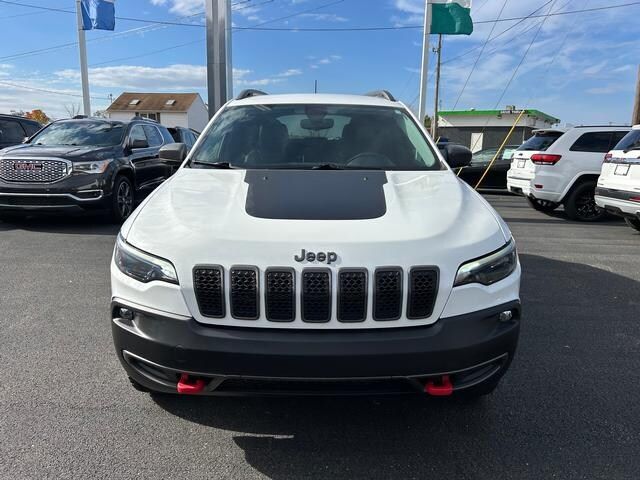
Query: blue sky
<point>580,68</point>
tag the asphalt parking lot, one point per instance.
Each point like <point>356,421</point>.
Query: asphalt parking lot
<point>569,407</point>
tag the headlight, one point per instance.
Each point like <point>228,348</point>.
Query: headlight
<point>91,167</point>
<point>141,266</point>
<point>490,269</point>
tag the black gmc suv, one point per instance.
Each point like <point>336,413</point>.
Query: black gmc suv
<point>84,164</point>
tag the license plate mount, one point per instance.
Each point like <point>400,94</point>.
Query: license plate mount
<point>622,170</point>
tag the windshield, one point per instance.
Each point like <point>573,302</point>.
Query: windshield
<point>315,136</point>
<point>82,133</point>
<point>540,141</point>
<point>631,141</point>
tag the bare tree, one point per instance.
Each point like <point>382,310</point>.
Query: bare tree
<point>72,109</point>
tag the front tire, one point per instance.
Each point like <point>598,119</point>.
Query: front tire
<point>580,204</point>
<point>122,199</point>
<point>633,223</point>
<point>544,206</point>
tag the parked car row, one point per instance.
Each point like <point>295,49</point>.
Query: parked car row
<point>591,171</point>
<point>618,189</point>
<point>84,164</point>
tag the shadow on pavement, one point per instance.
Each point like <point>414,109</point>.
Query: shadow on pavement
<point>88,224</point>
<point>563,407</point>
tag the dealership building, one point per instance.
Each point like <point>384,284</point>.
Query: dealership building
<point>479,129</point>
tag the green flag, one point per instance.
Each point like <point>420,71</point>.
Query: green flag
<point>451,17</point>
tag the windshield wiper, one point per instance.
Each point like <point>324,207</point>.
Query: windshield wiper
<point>328,166</point>
<point>218,165</point>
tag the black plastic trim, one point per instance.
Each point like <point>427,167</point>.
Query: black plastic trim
<point>375,293</point>
<point>220,268</point>
<point>266,292</point>
<point>302,299</point>
<point>256,270</point>
<point>366,293</point>
<point>410,294</point>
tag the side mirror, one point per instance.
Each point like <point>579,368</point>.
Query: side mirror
<point>174,152</point>
<point>137,143</point>
<point>457,156</point>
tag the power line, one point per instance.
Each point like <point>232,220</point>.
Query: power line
<point>46,90</point>
<point>466,82</point>
<point>414,27</point>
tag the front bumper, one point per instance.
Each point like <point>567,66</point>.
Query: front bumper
<point>618,202</point>
<point>472,348</point>
<point>74,193</point>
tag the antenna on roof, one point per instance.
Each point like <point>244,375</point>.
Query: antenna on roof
<point>315,88</point>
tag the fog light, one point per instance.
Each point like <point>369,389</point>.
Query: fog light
<point>506,316</point>
<point>126,314</point>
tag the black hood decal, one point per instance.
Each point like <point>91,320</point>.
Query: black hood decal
<point>316,194</point>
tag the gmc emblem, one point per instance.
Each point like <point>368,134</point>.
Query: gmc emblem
<point>36,167</point>
<point>328,257</point>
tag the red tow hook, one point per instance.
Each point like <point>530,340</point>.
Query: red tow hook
<point>190,386</point>
<point>443,389</point>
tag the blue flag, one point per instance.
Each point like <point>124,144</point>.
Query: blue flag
<point>98,15</point>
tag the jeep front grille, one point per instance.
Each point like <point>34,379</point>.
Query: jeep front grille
<point>278,288</point>
<point>33,170</point>
<point>208,284</point>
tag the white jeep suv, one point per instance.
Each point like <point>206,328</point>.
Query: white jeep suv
<point>618,190</point>
<point>315,243</point>
<point>559,166</point>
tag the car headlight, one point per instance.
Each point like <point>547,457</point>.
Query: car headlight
<point>490,269</point>
<point>141,266</point>
<point>98,166</point>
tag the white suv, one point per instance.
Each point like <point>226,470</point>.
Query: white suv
<point>315,243</point>
<point>618,190</point>
<point>558,166</point>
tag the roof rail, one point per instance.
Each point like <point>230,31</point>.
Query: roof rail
<point>382,94</point>
<point>144,119</point>
<point>250,92</point>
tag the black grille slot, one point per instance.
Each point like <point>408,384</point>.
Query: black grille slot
<point>243,293</point>
<point>423,289</point>
<point>280,295</point>
<point>208,287</point>
<point>352,295</point>
<point>387,296</point>
<point>316,295</point>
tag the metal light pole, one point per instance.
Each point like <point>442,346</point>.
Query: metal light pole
<point>425,61</point>
<point>434,122</point>
<point>219,65</point>
<point>84,69</point>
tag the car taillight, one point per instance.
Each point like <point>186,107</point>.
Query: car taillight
<point>545,159</point>
<point>608,157</point>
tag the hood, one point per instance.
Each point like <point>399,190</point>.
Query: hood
<point>204,217</point>
<point>63,151</point>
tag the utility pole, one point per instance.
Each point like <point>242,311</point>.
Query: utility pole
<point>219,64</point>
<point>636,106</point>
<point>434,122</point>
<point>84,69</point>
<point>425,61</point>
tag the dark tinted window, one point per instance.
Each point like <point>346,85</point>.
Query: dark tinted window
<point>625,140</point>
<point>630,142</point>
<point>594,142</point>
<point>540,141</point>
<point>153,136</point>
<point>137,133</point>
<point>31,127</point>
<point>11,132</point>
<point>81,133</point>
